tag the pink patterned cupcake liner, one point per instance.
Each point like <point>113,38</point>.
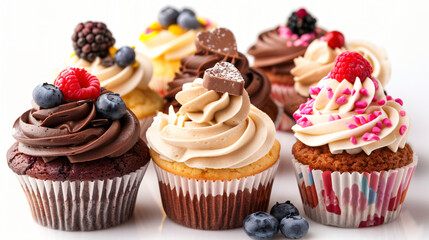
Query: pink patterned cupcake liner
<point>281,93</point>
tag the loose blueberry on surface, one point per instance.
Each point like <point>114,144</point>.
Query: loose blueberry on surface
<point>125,56</point>
<point>168,16</point>
<point>282,210</point>
<point>187,10</point>
<point>260,225</point>
<point>188,21</point>
<point>294,227</point>
<point>47,95</point>
<point>110,106</point>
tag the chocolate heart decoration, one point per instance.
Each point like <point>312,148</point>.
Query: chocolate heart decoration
<point>218,40</point>
<point>224,77</point>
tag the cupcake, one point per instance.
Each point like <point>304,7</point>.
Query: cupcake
<point>123,71</point>
<point>352,161</point>
<point>170,39</point>
<point>215,157</point>
<point>78,155</point>
<point>275,50</point>
<point>219,45</point>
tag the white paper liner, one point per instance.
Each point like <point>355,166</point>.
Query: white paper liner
<point>82,205</point>
<point>280,113</point>
<point>355,199</point>
<point>214,205</point>
<point>144,125</point>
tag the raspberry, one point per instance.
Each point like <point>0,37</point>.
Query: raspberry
<point>349,65</point>
<point>301,13</point>
<point>334,39</point>
<point>77,84</point>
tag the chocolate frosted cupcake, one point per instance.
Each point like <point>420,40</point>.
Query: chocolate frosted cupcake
<point>352,161</point>
<point>274,52</point>
<point>215,157</point>
<point>219,45</point>
<point>78,154</point>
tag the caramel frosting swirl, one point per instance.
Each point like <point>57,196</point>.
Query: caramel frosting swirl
<point>352,117</point>
<point>118,79</point>
<point>74,131</point>
<point>212,130</point>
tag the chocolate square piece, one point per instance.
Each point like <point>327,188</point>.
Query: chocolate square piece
<point>224,77</point>
<point>219,40</point>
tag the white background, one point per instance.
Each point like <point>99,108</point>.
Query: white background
<point>35,40</point>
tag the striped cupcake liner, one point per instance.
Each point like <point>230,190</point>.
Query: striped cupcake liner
<point>214,205</point>
<point>281,93</point>
<point>144,125</point>
<point>82,205</point>
<point>353,200</point>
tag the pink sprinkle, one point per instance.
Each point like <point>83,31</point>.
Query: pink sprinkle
<point>314,90</point>
<point>303,122</point>
<point>376,130</point>
<point>361,104</point>
<point>370,137</point>
<point>360,110</point>
<point>388,97</point>
<point>307,111</point>
<point>329,89</point>
<point>379,124</point>
<point>371,117</point>
<point>338,117</point>
<point>356,119</point>
<point>381,102</point>
<point>402,129</point>
<point>351,126</point>
<point>148,30</point>
<point>353,140</point>
<point>353,92</point>
<point>331,118</point>
<point>363,91</point>
<point>341,100</point>
<point>377,113</point>
<point>330,95</point>
<point>375,83</point>
<point>289,44</point>
<point>374,99</point>
<point>302,106</point>
<point>362,120</point>
<point>402,113</point>
<point>398,100</point>
<point>387,122</point>
<point>296,116</point>
<point>346,91</point>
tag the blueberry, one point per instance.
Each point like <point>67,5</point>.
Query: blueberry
<point>125,56</point>
<point>188,21</point>
<point>187,10</point>
<point>261,225</point>
<point>167,16</point>
<point>110,106</point>
<point>47,95</point>
<point>294,227</point>
<point>282,210</point>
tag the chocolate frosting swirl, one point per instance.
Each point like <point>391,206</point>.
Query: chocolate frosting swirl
<point>73,130</point>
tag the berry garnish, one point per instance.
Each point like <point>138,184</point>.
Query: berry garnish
<point>188,10</point>
<point>294,227</point>
<point>350,65</point>
<point>334,39</point>
<point>301,22</point>
<point>47,95</point>
<point>260,225</point>
<point>110,106</point>
<point>188,21</point>
<point>168,16</point>
<point>282,210</point>
<point>77,84</point>
<point>91,40</point>
<point>125,56</point>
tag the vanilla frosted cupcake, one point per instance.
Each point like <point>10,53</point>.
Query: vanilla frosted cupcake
<point>170,39</point>
<point>217,152</point>
<point>122,71</point>
<point>352,161</point>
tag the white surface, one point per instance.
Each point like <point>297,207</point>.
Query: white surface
<point>35,39</point>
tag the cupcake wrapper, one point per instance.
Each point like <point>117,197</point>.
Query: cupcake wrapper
<point>144,125</point>
<point>355,199</point>
<point>82,205</point>
<point>214,205</point>
<point>279,117</point>
<point>286,123</point>
<point>281,93</point>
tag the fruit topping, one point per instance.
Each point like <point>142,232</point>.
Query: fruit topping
<point>125,56</point>
<point>91,40</point>
<point>334,39</point>
<point>350,65</point>
<point>77,84</point>
<point>282,210</point>
<point>110,106</point>
<point>294,227</point>
<point>168,16</point>
<point>187,20</point>
<point>47,95</point>
<point>301,22</point>
<point>260,225</point>
<point>188,11</point>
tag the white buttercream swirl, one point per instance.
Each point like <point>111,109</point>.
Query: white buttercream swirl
<point>212,130</point>
<point>366,120</point>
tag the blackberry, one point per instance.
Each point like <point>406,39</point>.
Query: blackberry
<point>301,23</point>
<point>91,40</point>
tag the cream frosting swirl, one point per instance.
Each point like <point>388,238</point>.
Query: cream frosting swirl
<point>118,79</point>
<point>212,130</point>
<point>352,117</point>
